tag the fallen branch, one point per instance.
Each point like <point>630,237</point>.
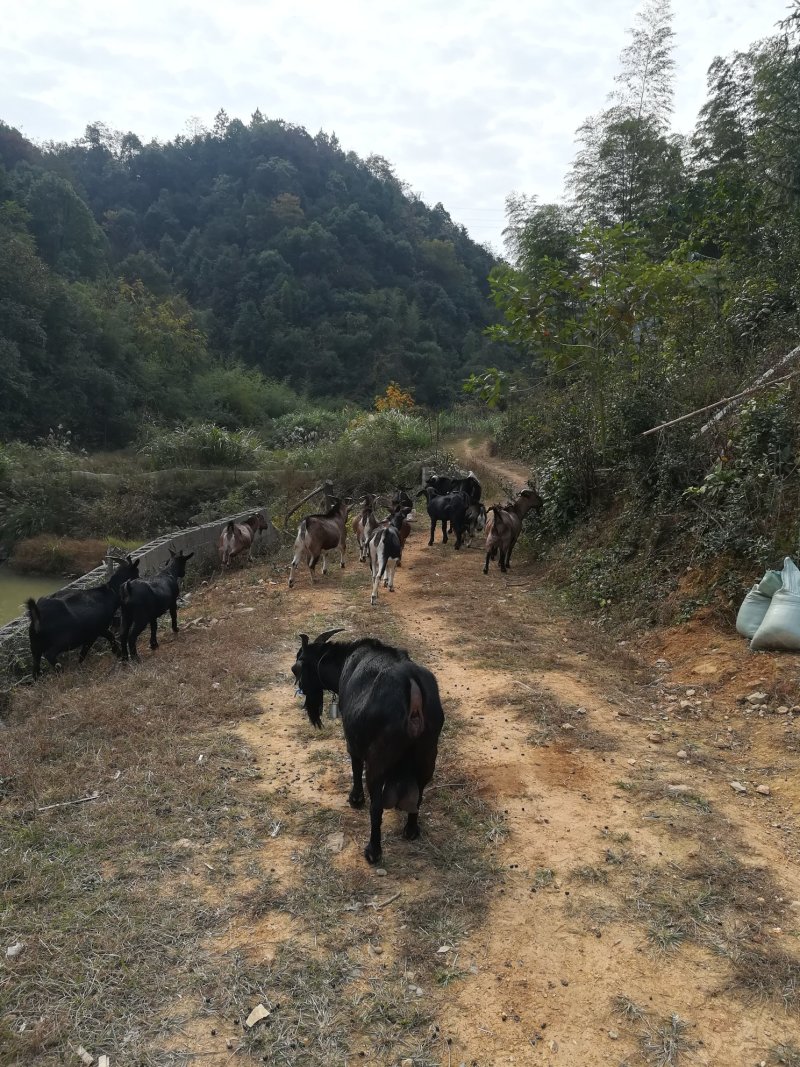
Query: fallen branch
<point>725,400</point>
<point>69,803</point>
<point>301,502</point>
<point>384,903</point>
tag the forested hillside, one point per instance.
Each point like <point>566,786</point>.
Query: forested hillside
<point>669,278</point>
<point>219,274</point>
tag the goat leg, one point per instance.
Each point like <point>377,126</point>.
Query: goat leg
<point>486,564</point>
<point>411,828</point>
<point>356,796</point>
<point>85,649</point>
<point>433,531</point>
<point>153,632</point>
<point>36,666</point>
<point>372,853</point>
<point>173,614</point>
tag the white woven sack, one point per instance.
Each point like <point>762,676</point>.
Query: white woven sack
<point>770,583</point>
<point>780,628</point>
<point>752,612</point>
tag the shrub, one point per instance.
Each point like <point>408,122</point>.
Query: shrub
<point>58,555</point>
<point>203,445</point>
<point>374,453</point>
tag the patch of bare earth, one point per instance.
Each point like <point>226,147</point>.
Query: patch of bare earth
<point>589,888</point>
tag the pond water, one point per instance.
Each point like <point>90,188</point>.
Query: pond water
<point>15,588</point>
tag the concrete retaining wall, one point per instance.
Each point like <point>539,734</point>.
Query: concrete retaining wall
<point>202,540</point>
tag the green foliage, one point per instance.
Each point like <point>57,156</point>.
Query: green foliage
<point>670,282</point>
<point>747,502</point>
<point>375,452</point>
<point>203,445</point>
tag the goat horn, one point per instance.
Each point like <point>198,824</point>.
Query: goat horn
<point>328,633</point>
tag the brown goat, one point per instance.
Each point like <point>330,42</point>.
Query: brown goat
<point>364,525</point>
<point>317,536</point>
<point>504,525</point>
<point>238,537</point>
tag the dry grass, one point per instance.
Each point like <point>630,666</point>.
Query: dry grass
<point>68,556</point>
<point>138,885</point>
<point>555,722</point>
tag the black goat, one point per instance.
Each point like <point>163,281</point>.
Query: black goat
<point>474,521</point>
<point>145,600</point>
<point>75,618</point>
<point>451,509</point>
<point>401,499</point>
<point>443,484</point>
<point>392,717</point>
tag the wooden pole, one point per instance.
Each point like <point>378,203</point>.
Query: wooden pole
<point>301,502</point>
<point>716,404</point>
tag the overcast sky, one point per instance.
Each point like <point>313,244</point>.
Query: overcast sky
<point>468,100</point>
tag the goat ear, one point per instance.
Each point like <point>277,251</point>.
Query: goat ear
<point>187,558</point>
<point>304,640</point>
<point>323,637</point>
<point>172,552</point>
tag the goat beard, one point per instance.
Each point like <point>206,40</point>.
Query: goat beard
<point>313,706</point>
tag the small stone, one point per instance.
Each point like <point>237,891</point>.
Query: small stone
<point>682,754</point>
<point>782,710</point>
<point>776,931</point>
<point>737,787</point>
<point>564,982</point>
<point>503,1016</point>
<point>335,842</point>
<point>420,991</point>
<point>554,1046</point>
<point>686,703</point>
<point>764,790</point>
<point>567,726</point>
<point>631,762</point>
<point>756,698</point>
<point>258,1013</point>
<point>656,738</point>
<point>690,692</point>
<point>678,790</point>
<point>381,872</point>
<point>614,1035</point>
<point>15,950</point>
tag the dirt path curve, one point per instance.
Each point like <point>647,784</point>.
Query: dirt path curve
<point>604,802</point>
<point>477,456</point>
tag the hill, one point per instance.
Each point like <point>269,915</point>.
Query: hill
<point>188,278</point>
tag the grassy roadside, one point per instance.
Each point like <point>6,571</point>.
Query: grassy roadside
<point>126,904</point>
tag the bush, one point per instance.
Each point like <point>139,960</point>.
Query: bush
<point>373,454</point>
<point>309,426</point>
<point>58,555</point>
<point>204,445</point>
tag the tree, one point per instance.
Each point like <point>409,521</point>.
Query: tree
<point>627,167</point>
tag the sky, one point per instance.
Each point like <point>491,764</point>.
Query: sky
<point>468,100</point>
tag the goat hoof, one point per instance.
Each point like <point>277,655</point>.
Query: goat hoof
<point>356,800</point>
<point>411,833</point>
<point>371,855</point>
<point>153,645</point>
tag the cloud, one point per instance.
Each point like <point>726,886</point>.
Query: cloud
<point>469,100</point>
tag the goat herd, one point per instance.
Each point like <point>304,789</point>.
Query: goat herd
<point>453,502</point>
<point>390,707</point>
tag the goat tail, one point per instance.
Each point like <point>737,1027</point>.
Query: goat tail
<point>230,528</point>
<point>33,614</point>
<point>125,593</point>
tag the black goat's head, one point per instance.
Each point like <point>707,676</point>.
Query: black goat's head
<point>179,560</point>
<point>307,673</point>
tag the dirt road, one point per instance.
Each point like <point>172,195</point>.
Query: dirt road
<point>589,888</point>
<point>627,901</point>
